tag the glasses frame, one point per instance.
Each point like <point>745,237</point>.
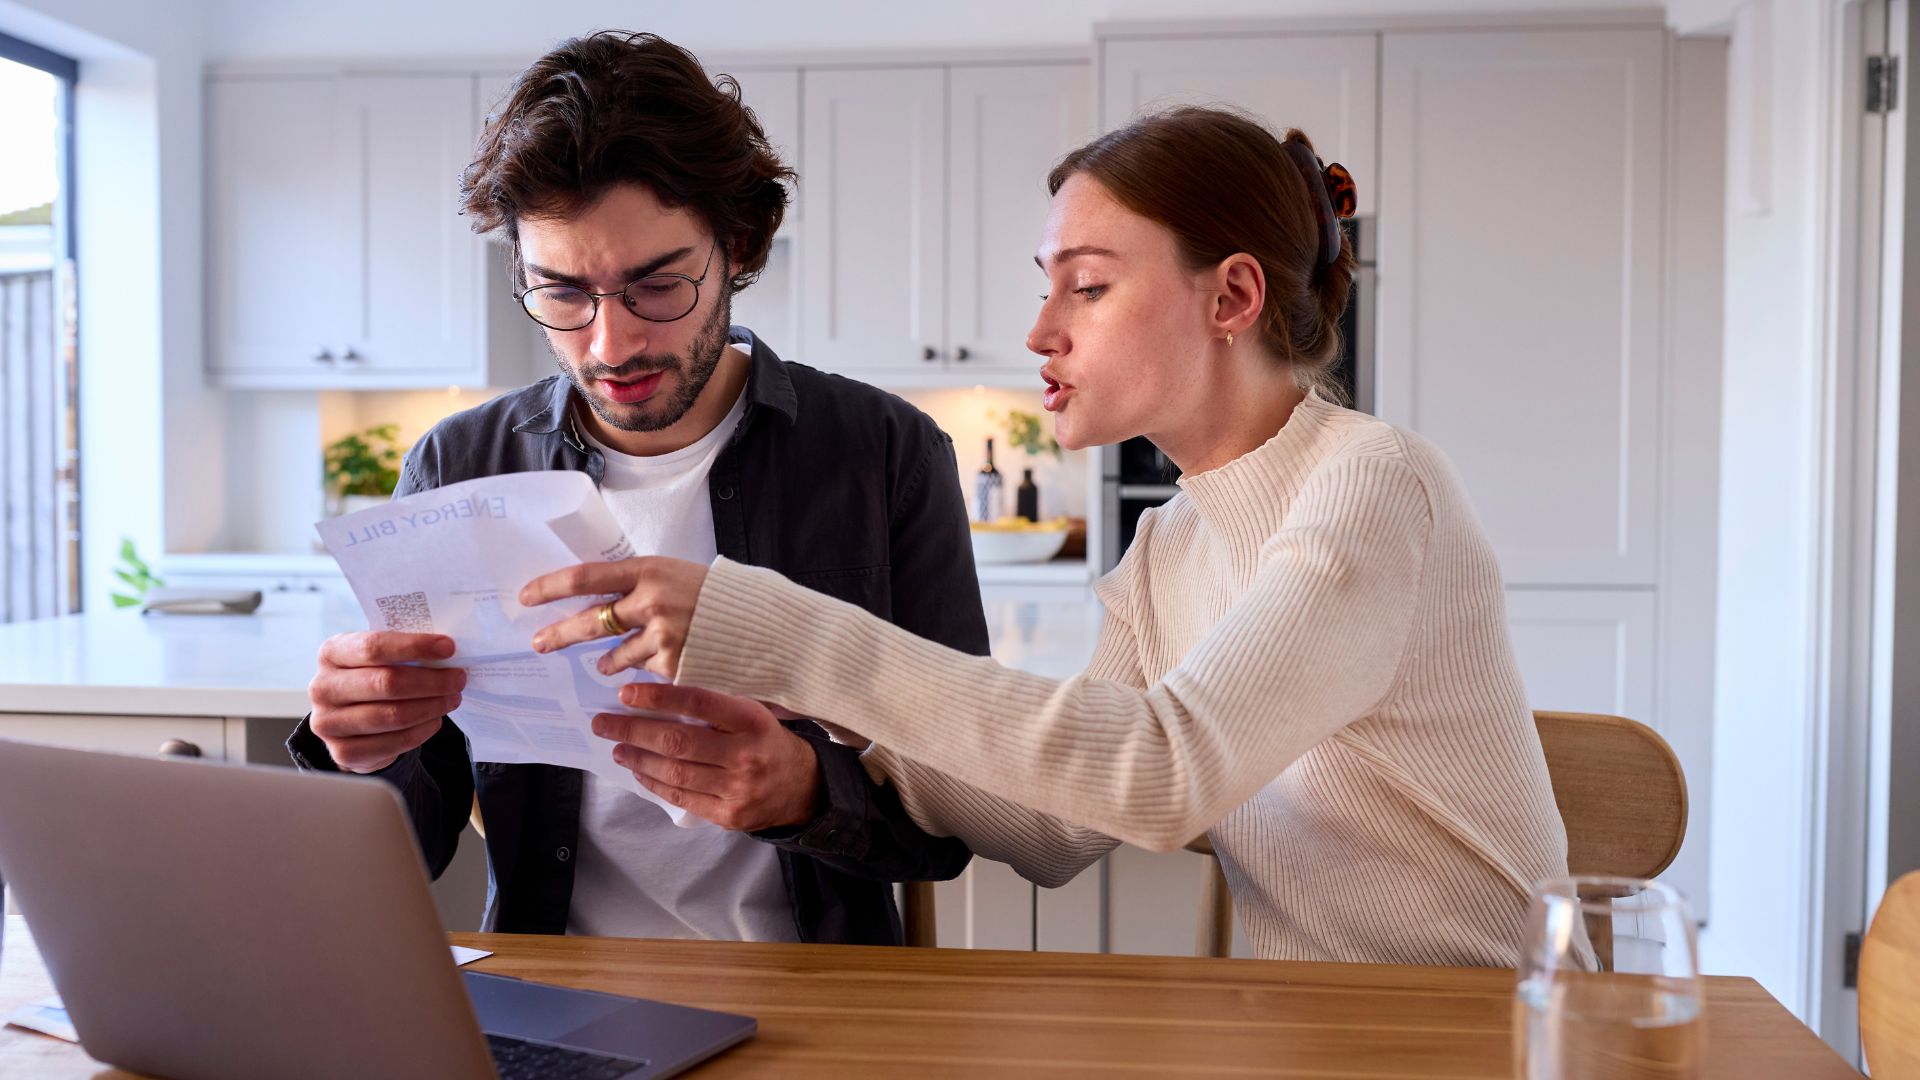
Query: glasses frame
<point>626,298</point>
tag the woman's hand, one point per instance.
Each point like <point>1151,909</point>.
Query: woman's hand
<point>654,612</point>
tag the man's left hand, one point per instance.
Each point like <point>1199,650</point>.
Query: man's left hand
<point>746,772</point>
<point>656,610</point>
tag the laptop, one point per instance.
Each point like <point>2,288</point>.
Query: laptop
<point>207,920</point>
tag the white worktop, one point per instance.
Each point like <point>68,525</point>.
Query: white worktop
<point>120,663</point>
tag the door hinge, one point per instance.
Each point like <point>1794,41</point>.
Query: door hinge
<point>1850,965</point>
<point>1883,83</point>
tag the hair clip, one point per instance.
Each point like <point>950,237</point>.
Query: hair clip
<point>1342,192</point>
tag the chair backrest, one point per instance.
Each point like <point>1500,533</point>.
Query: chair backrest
<point>1890,984</point>
<point>1620,790</point>
<point>1621,793</point>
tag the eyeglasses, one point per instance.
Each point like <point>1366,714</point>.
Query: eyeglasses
<point>655,298</point>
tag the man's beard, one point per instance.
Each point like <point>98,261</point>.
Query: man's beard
<point>695,371</point>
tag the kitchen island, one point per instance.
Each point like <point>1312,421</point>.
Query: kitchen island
<point>233,687</point>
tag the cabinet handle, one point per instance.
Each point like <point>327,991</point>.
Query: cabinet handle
<point>179,748</point>
<point>961,354</point>
<point>351,357</point>
<point>930,353</point>
<point>324,356</point>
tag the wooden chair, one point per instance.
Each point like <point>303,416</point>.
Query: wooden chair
<point>916,914</point>
<point>1620,790</point>
<point>1890,984</point>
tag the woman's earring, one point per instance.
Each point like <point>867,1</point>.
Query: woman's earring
<point>1229,339</point>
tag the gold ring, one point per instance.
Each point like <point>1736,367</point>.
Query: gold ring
<point>610,622</point>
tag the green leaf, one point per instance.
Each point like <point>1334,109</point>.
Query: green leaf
<point>120,601</point>
<point>132,582</point>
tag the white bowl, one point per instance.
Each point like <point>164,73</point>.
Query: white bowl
<point>1029,546</point>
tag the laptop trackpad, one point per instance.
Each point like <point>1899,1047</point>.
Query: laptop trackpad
<point>532,1010</point>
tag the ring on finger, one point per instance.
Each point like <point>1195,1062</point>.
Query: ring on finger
<point>610,623</point>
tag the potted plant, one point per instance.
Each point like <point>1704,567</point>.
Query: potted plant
<point>362,469</point>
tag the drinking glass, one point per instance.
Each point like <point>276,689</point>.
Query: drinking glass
<point>1609,985</point>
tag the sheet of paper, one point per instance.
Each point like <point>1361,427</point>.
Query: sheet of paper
<point>48,1016</point>
<point>452,561</point>
<point>463,956</point>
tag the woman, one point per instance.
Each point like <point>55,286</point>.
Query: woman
<point>1305,653</point>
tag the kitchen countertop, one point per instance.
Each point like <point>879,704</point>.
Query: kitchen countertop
<point>120,663</point>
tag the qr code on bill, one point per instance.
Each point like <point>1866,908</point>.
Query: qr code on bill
<point>406,612</point>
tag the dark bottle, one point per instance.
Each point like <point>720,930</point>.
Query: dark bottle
<point>1026,498</point>
<point>986,490</point>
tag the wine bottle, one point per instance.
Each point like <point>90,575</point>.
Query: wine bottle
<point>986,489</point>
<point>1026,498</point>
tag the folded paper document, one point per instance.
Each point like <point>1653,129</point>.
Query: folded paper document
<point>452,561</point>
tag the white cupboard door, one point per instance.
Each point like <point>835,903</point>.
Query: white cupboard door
<point>873,242</point>
<point>989,906</point>
<point>770,306</point>
<point>1069,918</point>
<point>279,236</point>
<point>1007,126</point>
<point>1520,285</point>
<point>1586,651</point>
<point>1153,902</point>
<point>773,95</point>
<point>1323,84</point>
<point>1598,650</point>
<point>417,283</point>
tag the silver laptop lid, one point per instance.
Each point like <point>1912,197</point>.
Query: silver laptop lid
<point>224,921</point>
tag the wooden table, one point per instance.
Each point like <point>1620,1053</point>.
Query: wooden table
<point>837,1011</point>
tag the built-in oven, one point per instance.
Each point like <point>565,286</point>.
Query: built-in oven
<point>1136,476</point>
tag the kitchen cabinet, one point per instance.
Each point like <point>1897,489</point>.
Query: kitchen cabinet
<point>1520,285</point>
<point>337,258</point>
<point>1323,84</point>
<point>770,307</point>
<point>1006,127</point>
<point>923,190</point>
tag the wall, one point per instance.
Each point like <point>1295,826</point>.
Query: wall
<point>137,244</point>
<point>248,29</point>
<point>1766,803</point>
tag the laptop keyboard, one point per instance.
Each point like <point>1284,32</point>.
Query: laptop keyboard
<point>518,1059</point>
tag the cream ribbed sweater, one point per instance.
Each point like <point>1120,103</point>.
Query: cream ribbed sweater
<point>1305,656</point>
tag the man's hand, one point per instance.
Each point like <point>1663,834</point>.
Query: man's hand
<point>369,707</point>
<point>745,773</point>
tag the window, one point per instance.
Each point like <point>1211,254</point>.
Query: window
<point>39,478</point>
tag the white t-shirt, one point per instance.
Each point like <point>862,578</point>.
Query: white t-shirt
<point>636,874</point>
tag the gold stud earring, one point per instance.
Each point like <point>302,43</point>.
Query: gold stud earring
<point>1229,339</point>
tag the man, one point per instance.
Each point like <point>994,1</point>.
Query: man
<point>639,197</point>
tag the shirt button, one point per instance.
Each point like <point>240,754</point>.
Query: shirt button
<point>563,854</point>
<point>726,493</point>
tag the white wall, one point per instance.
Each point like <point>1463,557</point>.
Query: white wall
<point>137,243</point>
<point>1765,792</point>
<point>250,29</point>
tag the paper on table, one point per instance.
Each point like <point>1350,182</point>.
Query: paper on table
<point>48,1016</point>
<point>452,561</point>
